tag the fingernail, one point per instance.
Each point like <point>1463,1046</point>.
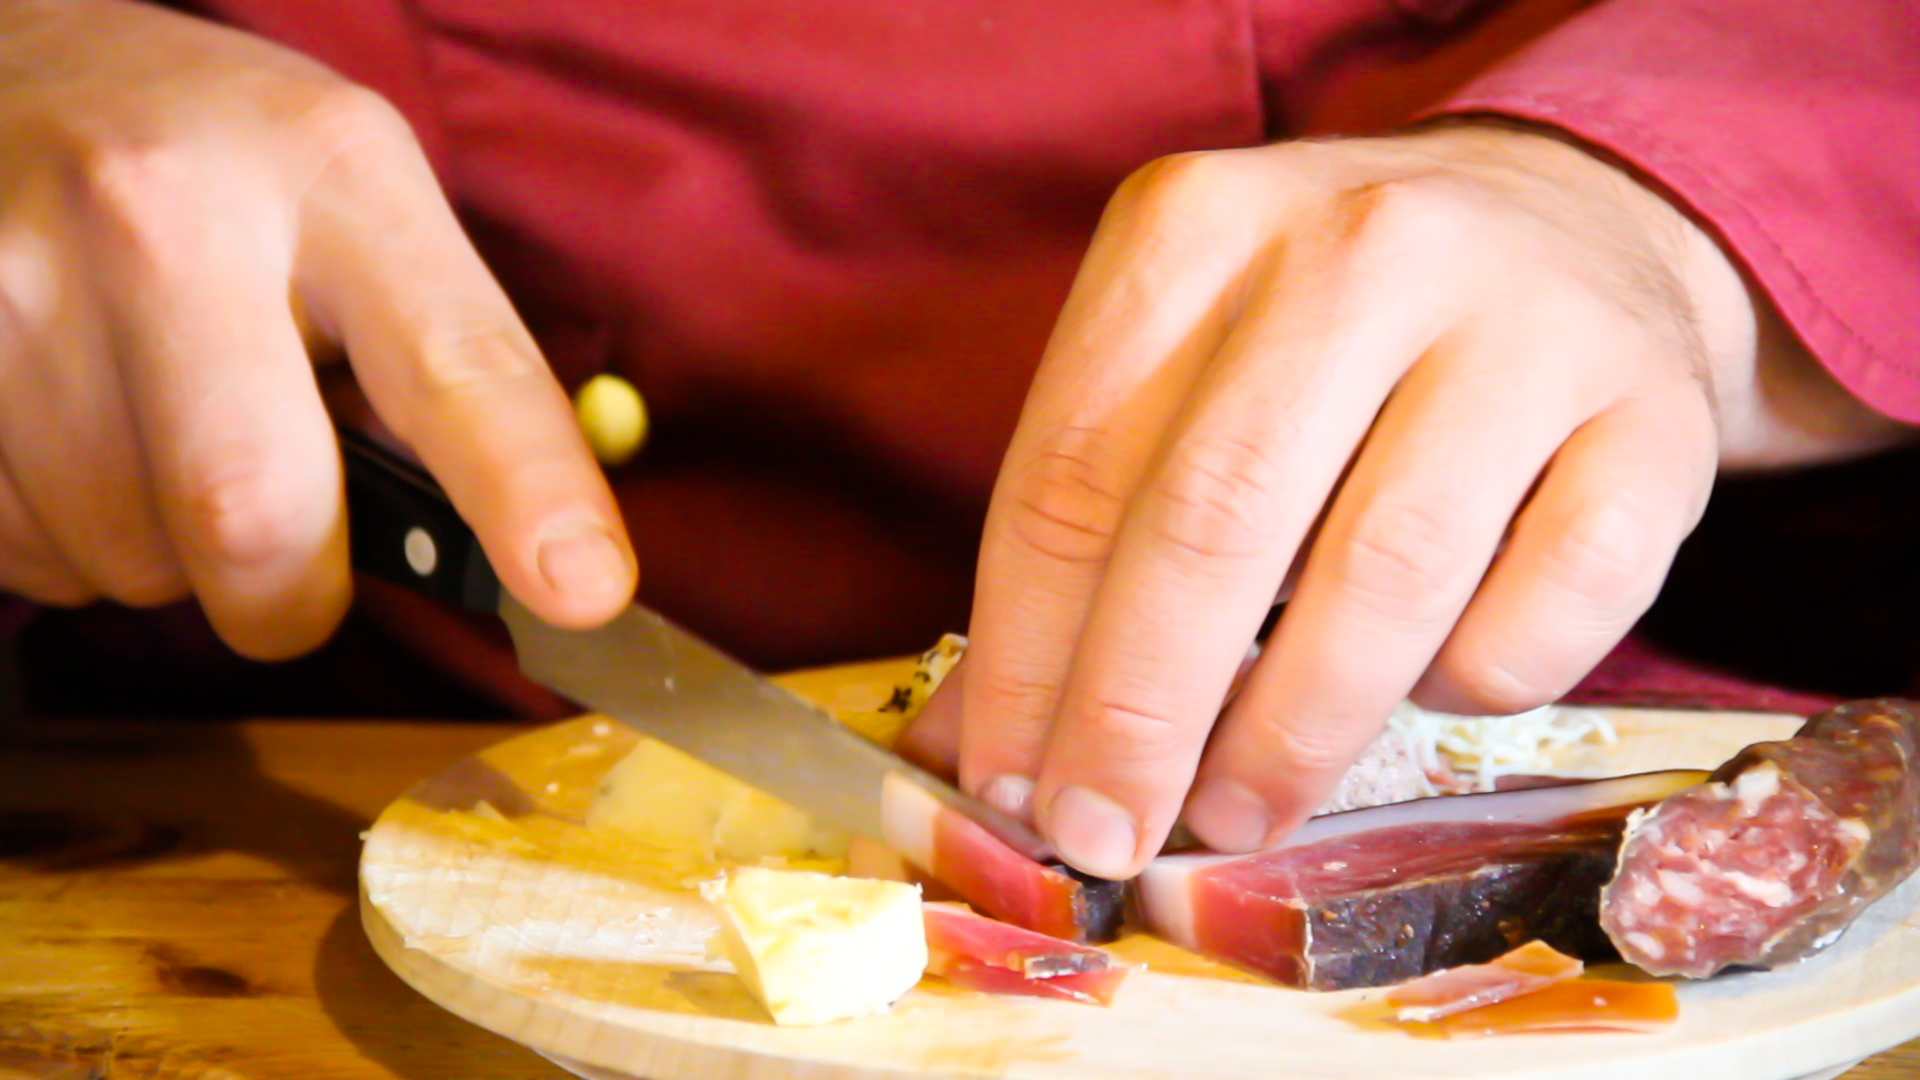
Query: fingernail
<point>1092,833</point>
<point>580,558</point>
<point>1009,794</point>
<point>1228,816</point>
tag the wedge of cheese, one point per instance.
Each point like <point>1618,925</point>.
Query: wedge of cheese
<point>670,800</point>
<point>814,948</point>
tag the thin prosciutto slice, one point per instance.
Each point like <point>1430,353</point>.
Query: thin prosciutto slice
<point>1378,896</point>
<point>978,953</point>
<point>955,931</point>
<point>963,855</point>
<point>1087,988</point>
<point>1575,1005</point>
<point>1529,968</point>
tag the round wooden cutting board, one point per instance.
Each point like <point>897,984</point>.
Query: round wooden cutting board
<point>482,889</point>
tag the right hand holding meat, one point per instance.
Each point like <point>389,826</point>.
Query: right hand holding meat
<point>183,212</point>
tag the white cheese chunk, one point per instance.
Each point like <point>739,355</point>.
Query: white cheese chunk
<point>813,948</point>
<point>673,801</point>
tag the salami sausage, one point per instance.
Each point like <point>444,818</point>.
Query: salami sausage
<point>1773,857</point>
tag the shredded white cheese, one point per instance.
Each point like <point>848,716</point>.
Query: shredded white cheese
<point>1482,749</point>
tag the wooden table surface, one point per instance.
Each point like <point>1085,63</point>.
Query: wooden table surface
<point>178,901</point>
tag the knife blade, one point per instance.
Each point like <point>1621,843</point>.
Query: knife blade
<point>641,669</point>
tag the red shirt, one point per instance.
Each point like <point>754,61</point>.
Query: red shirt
<point>828,239</point>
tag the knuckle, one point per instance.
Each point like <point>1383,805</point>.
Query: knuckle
<point>137,185</point>
<point>29,572</point>
<point>1311,745</point>
<point>1497,685</point>
<point>56,590</point>
<point>147,582</point>
<point>1015,692</point>
<point>243,513</point>
<point>1188,172</point>
<point>1403,216</point>
<point>1067,504</point>
<point>283,639</point>
<point>30,286</point>
<point>16,323</point>
<point>1132,730</point>
<point>1184,185</point>
<point>344,120</point>
<point>1020,709</point>
<point>1402,562</point>
<point>1218,497</point>
<point>1558,307</point>
<point>458,356</point>
<point>1605,554</point>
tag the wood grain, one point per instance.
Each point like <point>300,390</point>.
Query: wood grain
<point>178,901</point>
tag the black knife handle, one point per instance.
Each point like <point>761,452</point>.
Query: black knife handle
<point>403,529</point>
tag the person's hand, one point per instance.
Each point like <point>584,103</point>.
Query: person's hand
<point>184,210</point>
<point>1470,386</point>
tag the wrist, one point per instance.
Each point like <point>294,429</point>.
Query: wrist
<point>1776,406</point>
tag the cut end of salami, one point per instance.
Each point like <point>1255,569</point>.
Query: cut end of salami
<point>1771,859</point>
<point>1713,875</point>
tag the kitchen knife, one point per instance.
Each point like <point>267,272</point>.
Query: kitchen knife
<point>640,668</point>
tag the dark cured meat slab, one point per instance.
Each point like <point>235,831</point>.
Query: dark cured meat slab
<point>1377,896</point>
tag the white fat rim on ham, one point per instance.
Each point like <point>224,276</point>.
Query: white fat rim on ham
<point>1165,890</point>
<point>906,815</point>
<point>1166,902</point>
<point>1491,808</point>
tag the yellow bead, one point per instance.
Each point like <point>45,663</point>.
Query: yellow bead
<point>612,417</point>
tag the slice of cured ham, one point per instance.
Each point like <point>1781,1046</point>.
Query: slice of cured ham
<point>955,931</point>
<point>978,953</point>
<point>1382,895</point>
<point>970,860</point>
<point>1575,1005</point>
<point>1087,988</point>
<point>1529,968</point>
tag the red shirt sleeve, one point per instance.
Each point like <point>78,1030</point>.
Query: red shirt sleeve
<point>1791,129</point>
